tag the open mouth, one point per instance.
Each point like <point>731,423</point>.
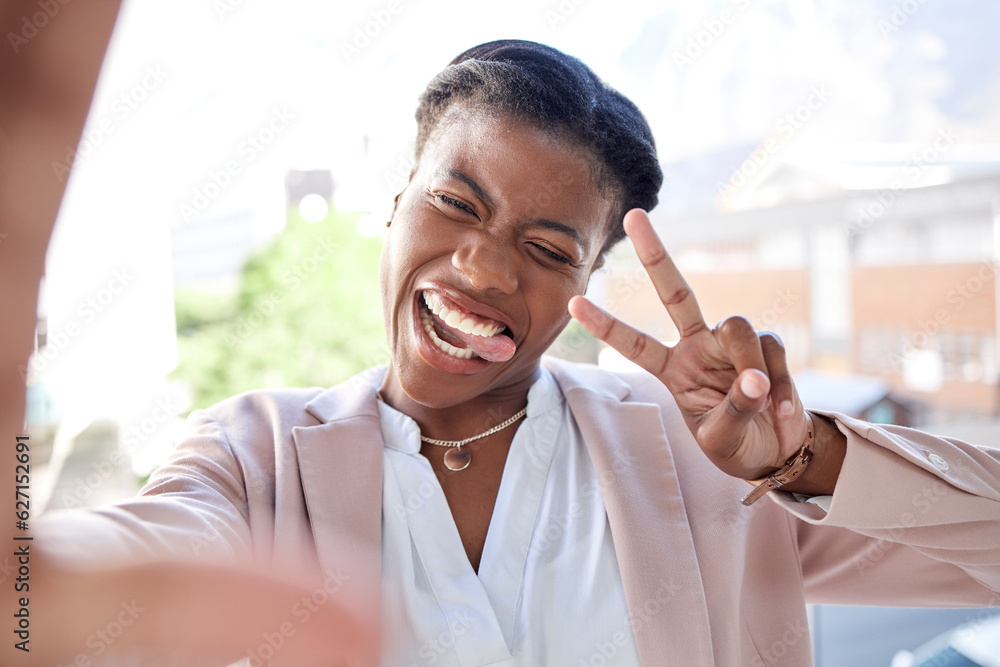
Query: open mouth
<point>461,333</point>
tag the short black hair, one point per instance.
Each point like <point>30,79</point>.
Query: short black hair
<point>561,95</point>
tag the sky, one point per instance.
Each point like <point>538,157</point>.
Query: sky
<point>203,106</point>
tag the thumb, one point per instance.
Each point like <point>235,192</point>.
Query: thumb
<point>748,395</point>
<point>723,434</point>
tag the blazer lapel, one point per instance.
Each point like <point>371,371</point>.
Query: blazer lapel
<point>340,462</point>
<point>340,465</point>
<point>635,469</point>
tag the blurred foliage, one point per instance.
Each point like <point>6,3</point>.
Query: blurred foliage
<point>307,313</point>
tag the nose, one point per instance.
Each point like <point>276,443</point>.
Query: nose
<point>487,264</point>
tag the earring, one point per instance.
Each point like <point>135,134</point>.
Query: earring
<point>388,223</point>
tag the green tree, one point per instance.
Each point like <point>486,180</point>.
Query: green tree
<point>307,313</point>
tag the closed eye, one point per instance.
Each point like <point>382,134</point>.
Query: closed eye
<point>562,259</point>
<point>454,203</point>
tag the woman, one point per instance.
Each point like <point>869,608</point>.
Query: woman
<point>512,510</point>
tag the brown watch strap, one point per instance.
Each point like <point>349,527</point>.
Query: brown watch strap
<point>789,472</point>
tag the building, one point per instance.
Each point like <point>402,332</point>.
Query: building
<point>895,284</point>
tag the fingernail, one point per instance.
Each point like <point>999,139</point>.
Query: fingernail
<point>753,385</point>
<point>786,408</point>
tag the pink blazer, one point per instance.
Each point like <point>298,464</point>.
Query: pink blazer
<point>295,478</point>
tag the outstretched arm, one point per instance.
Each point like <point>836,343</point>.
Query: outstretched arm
<point>47,79</point>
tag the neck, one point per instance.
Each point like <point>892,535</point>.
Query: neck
<point>468,416</point>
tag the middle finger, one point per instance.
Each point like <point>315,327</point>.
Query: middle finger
<point>674,292</point>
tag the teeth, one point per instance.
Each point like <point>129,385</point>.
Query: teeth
<point>454,319</point>
<point>470,326</point>
<point>444,346</point>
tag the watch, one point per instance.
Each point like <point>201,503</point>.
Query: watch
<point>787,473</point>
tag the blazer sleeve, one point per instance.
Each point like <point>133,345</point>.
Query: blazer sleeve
<point>914,521</point>
<point>193,508</point>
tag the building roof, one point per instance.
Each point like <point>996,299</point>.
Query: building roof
<point>849,394</point>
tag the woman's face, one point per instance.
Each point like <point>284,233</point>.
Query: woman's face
<point>499,226</point>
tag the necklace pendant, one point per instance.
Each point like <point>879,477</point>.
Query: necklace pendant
<point>457,458</point>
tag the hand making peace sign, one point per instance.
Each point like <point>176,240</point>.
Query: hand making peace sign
<point>731,383</point>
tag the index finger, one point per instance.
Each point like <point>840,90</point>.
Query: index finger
<point>633,344</point>
<point>674,292</point>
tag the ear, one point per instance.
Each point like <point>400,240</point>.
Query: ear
<point>395,201</point>
<point>395,205</point>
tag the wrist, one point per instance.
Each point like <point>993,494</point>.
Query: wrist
<point>815,467</point>
<point>787,473</point>
<point>829,449</point>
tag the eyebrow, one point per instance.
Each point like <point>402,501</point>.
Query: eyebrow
<point>541,222</point>
<point>468,180</point>
<point>565,229</point>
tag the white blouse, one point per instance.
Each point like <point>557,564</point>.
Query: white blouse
<point>548,590</point>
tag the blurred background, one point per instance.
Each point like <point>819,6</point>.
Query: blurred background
<point>832,173</point>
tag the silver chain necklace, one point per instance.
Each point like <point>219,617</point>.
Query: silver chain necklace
<point>457,458</point>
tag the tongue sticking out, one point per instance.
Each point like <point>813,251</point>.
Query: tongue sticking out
<point>449,319</point>
<point>490,348</point>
